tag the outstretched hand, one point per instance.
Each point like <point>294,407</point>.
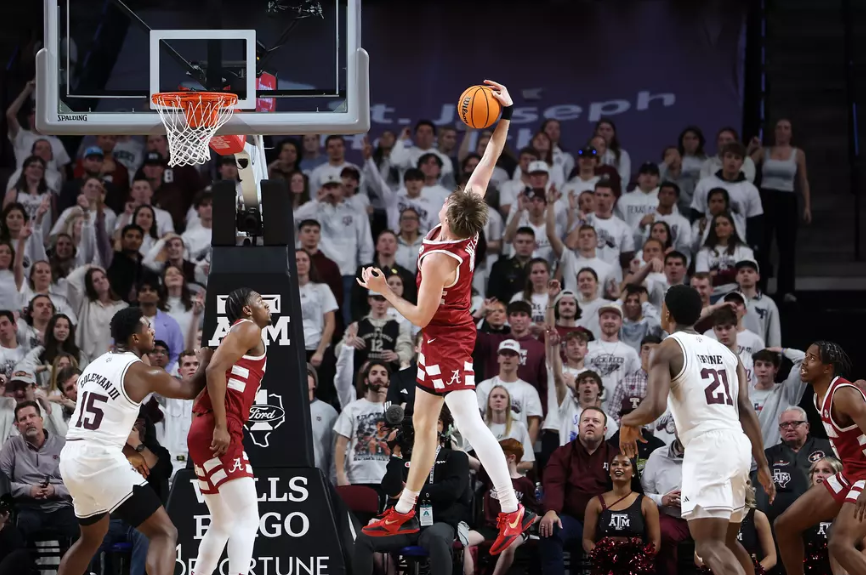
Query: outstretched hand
<point>500,93</point>
<point>373,279</point>
<point>628,438</point>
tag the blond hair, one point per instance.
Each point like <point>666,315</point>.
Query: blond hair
<point>488,413</point>
<point>467,213</point>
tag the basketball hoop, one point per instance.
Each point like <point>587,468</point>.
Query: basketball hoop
<point>191,119</point>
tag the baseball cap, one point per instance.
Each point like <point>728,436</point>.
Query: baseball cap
<point>649,168</point>
<point>588,151</point>
<point>154,158</point>
<point>533,193</point>
<point>748,263</point>
<point>24,376</point>
<point>537,167</point>
<point>735,295</point>
<point>612,306</point>
<point>332,179</point>
<point>509,345</point>
<point>94,151</point>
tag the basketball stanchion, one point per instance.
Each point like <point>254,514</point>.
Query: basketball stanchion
<point>304,527</point>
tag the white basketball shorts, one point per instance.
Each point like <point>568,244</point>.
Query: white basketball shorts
<point>716,469</point>
<point>98,478</point>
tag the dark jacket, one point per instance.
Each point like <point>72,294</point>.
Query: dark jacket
<point>449,494</point>
<point>507,277</point>
<point>573,477</point>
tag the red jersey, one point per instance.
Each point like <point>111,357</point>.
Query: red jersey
<point>848,443</point>
<point>456,301</point>
<point>242,383</point>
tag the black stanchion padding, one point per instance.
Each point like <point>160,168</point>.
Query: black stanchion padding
<point>297,533</point>
<point>225,209</point>
<point>276,208</point>
<point>298,508</point>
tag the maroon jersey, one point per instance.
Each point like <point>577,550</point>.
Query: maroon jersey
<point>848,443</point>
<point>457,298</point>
<point>242,383</point>
<point>445,361</point>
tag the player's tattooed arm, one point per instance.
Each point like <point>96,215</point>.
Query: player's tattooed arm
<point>752,429</point>
<point>480,177</point>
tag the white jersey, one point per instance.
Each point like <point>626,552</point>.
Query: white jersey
<point>104,414</point>
<point>703,395</point>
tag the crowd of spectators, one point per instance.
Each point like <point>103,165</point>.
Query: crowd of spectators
<point>573,265</point>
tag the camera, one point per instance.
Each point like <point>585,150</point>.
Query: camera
<point>396,418</point>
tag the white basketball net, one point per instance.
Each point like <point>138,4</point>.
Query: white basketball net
<point>188,144</point>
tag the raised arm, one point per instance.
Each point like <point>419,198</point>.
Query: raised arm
<point>484,170</point>
<point>752,429</point>
<point>240,339</point>
<point>436,268</point>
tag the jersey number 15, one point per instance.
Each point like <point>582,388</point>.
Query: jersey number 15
<point>91,413</point>
<point>719,378</point>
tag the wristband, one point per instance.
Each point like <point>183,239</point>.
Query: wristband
<point>507,112</point>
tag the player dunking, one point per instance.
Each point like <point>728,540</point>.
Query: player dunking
<point>216,436</point>
<point>708,392</point>
<point>445,373</point>
<point>97,465</point>
<point>842,406</point>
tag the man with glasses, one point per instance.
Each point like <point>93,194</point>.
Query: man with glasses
<point>791,458</point>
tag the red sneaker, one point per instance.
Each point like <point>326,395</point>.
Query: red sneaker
<point>511,526</point>
<point>393,523</point>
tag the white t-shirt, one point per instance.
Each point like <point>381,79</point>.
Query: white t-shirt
<point>316,300</point>
<point>569,420</point>
<point>542,243</point>
<point>197,240</point>
<point>10,357</point>
<point>538,303</point>
<point>634,205</point>
<point>572,262</point>
<point>719,260</point>
<point>612,361</point>
<point>575,186</point>
<point>525,402</point>
<point>129,153</point>
<point>552,419</point>
<point>748,343</point>
<point>518,432</point>
<point>181,315</point>
<point>23,142</point>
<point>615,237</point>
<point>367,453</point>
<point>744,196</point>
<point>681,231</point>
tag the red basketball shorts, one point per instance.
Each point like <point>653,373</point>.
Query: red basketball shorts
<point>445,361</point>
<point>845,489</point>
<point>214,471</point>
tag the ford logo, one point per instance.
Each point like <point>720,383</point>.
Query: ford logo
<point>266,413</point>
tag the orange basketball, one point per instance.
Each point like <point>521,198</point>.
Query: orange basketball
<point>478,108</point>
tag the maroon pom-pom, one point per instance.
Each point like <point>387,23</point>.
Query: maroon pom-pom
<point>628,557</point>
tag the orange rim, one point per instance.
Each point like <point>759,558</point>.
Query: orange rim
<point>185,99</point>
<point>201,109</point>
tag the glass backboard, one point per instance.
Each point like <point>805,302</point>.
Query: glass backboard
<point>297,66</point>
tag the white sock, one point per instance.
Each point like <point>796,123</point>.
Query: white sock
<point>464,408</point>
<point>407,501</point>
<point>240,497</point>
